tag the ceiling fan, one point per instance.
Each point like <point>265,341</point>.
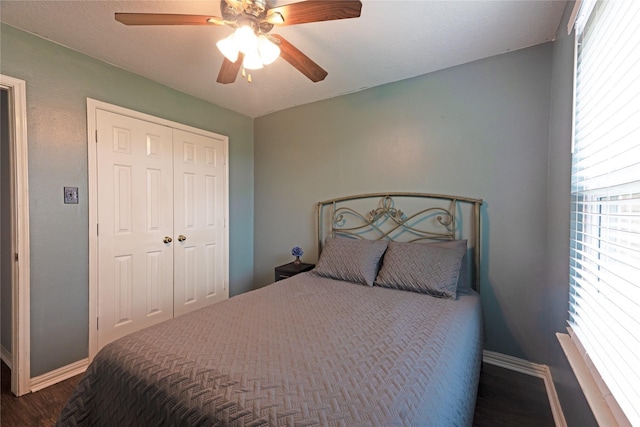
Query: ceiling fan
<point>251,45</point>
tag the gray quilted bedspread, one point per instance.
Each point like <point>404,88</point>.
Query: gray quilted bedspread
<point>306,351</point>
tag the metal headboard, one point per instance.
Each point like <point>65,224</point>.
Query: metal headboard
<point>424,217</point>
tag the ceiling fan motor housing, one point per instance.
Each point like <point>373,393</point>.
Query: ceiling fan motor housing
<point>232,9</point>
<point>250,12</point>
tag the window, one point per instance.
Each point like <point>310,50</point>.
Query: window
<point>604,300</point>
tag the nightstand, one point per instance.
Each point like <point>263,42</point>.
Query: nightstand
<point>291,269</point>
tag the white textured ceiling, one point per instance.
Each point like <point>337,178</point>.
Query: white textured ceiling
<point>391,41</point>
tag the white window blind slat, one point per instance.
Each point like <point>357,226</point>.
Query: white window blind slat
<point>610,298</point>
<point>621,343</point>
<point>604,297</point>
<point>625,128</point>
<point>598,331</point>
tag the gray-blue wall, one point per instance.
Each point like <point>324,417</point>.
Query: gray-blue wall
<point>478,130</point>
<point>58,82</point>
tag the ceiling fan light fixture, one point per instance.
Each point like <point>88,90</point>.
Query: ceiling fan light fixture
<point>228,48</point>
<point>268,50</point>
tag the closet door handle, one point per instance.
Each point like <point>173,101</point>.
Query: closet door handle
<point>182,238</point>
<point>167,239</point>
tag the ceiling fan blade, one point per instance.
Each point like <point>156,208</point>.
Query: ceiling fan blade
<point>300,61</point>
<point>229,70</point>
<point>318,10</point>
<point>167,19</point>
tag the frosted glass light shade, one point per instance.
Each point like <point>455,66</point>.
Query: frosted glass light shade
<point>228,48</point>
<point>252,60</point>
<point>258,50</point>
<point>269,51</point>
<point>246,39</point>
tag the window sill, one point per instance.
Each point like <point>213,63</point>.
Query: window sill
<point>603,405</point>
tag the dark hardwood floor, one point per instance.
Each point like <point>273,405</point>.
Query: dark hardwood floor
<point>508,398</point>
<point>34,409</point>
<point>505,398</point>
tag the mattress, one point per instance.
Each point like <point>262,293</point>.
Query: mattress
<point>305,351</point>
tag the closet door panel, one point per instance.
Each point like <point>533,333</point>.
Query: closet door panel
<point>135,213</point>
<point>198,221</point>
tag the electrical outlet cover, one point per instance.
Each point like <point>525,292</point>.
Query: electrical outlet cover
<point>71,195</point>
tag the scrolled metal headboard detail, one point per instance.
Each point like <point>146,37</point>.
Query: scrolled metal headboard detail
<point>426,217</point>
<point>395,220</point>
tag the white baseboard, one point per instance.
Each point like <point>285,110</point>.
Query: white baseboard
<point>533,369</point>
<point>6,357</point>
<point>60,374</point>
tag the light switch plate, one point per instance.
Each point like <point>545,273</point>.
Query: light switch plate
<point>71,195</point>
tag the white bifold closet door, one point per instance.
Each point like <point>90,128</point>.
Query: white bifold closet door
<point>160,223</point>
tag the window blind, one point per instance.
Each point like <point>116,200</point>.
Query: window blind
<point>604,300</point>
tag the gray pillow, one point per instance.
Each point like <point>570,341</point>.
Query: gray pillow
<point>352,260</point>
<point>421,268</point>
<point>464,279</point>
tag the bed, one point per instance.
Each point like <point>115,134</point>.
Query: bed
<point>385,331</point>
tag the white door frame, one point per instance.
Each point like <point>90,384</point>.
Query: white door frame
<point>92,106</point>
<point>20,338</point>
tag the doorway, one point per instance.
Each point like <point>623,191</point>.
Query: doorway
<point>14,230</point>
